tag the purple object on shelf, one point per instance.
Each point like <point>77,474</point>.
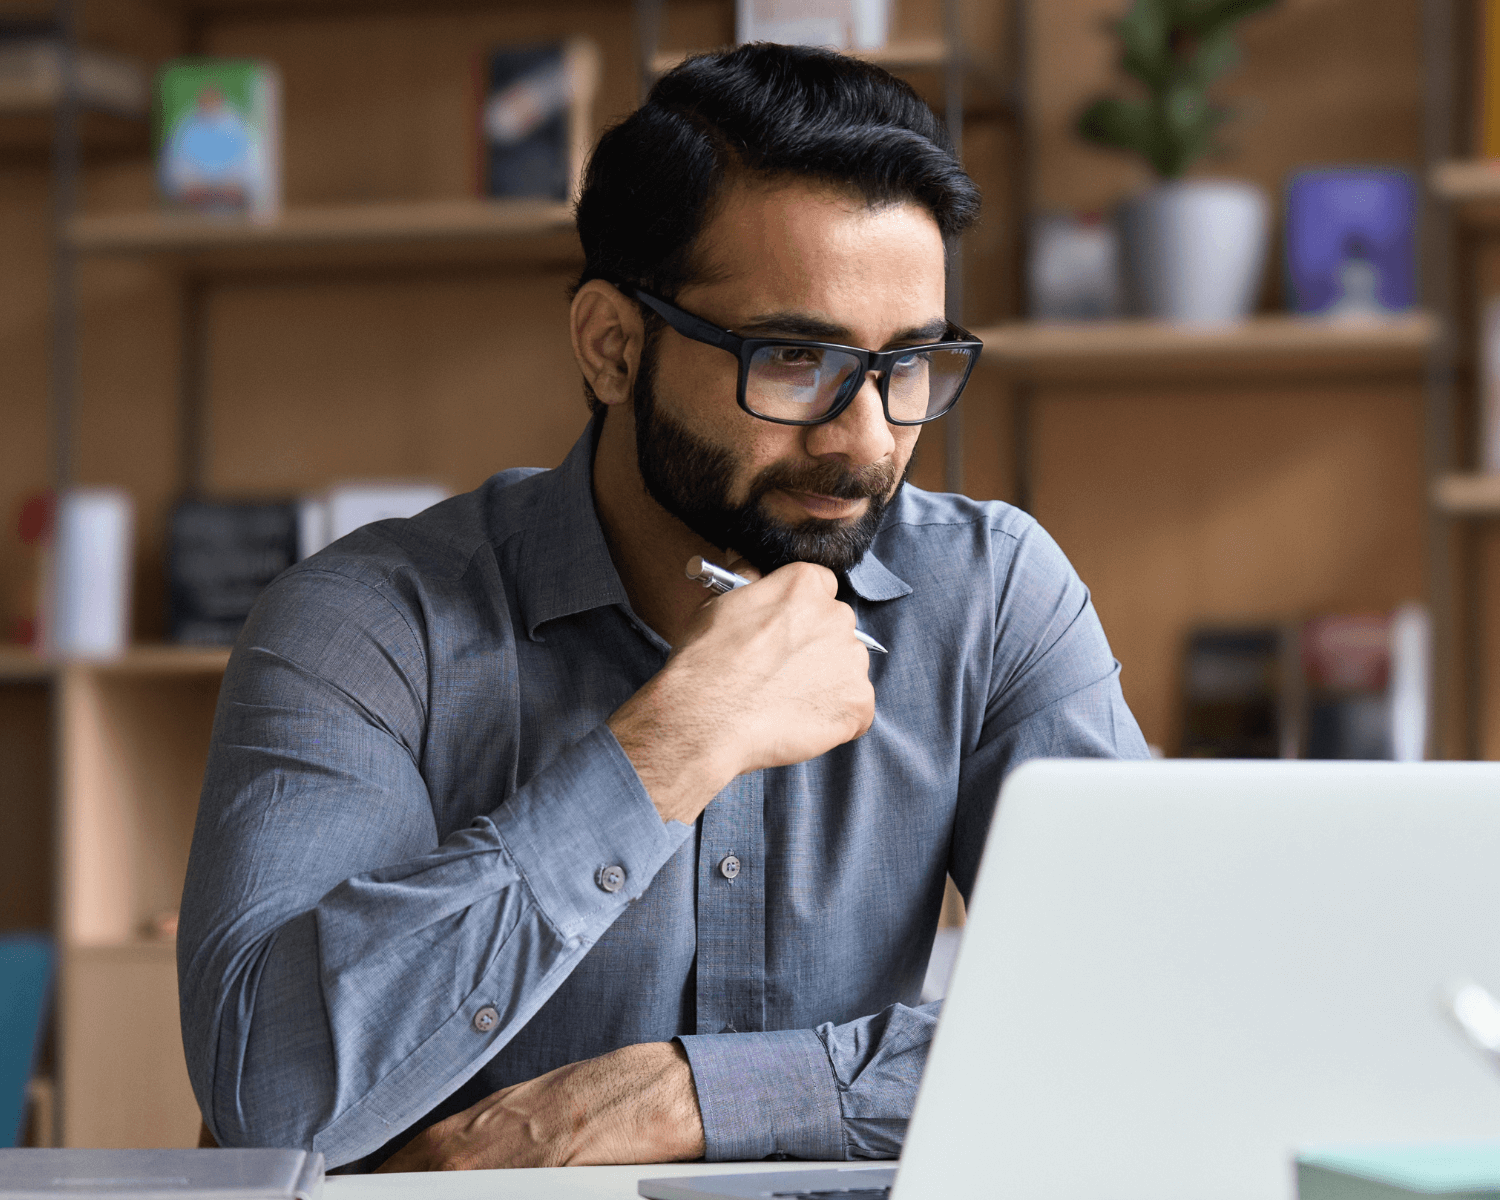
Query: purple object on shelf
<point>1351,241</point>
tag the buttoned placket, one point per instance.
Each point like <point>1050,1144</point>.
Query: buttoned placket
<point>731,966</point>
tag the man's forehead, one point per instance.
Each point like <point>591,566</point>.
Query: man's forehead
<point>800,245</point>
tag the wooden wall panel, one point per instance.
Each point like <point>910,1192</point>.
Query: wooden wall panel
<point>124,1080</point>
<point>451,379</point>
<point>134,752</point>
<point>1179,506</point>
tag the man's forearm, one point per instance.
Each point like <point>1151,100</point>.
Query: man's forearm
<point>635,1105</point>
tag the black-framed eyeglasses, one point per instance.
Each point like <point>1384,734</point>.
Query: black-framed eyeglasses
<point>795,382</point>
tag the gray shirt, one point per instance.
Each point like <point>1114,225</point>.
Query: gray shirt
<point>424,869</point>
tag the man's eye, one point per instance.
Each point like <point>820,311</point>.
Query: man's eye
<point>794,356</point>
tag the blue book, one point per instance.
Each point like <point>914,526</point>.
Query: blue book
<point>1459,1170</point>
<point>1351,241</point>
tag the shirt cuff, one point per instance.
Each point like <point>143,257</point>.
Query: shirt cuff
<point>585,835</point>
<point>764,1094</point>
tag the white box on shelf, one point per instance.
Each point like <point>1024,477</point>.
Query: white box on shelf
<point>88,589</point>
<point>343,508</point>
<point>840,24</point>
<point>1489,386</point>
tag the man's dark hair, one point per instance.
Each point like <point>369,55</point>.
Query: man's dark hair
<point>765,110</point>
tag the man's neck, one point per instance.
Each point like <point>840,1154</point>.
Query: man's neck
<point>650,547</point>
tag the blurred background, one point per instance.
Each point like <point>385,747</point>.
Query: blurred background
<point>270,269</point>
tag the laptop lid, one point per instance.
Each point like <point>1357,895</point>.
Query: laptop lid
<point>1176,973</point>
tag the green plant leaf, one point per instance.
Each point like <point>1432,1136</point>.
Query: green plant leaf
<point>1188,124</point>
<point>1203,17</point>
<point>1214,55</point>
<point>1120,125</point>
<point>1145,42</point>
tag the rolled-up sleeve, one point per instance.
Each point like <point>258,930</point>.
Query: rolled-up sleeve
<point>318,888</point>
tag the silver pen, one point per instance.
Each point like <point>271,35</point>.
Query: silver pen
<point>717,579</point>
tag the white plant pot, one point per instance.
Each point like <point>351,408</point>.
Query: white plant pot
<point>1193,250</point>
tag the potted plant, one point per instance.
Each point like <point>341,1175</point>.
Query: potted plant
<point>1193,250</point>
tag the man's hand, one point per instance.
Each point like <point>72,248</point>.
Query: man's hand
<point>635,1105</point>
<point>769,675</point>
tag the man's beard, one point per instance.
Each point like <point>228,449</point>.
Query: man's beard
<point>689,477</point>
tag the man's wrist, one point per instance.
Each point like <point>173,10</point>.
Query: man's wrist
<point>680,763</point>
<point>675,1124</point>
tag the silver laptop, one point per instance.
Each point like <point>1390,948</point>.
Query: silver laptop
<point>1176,973</point>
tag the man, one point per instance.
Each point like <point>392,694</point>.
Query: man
<point>514,848</point>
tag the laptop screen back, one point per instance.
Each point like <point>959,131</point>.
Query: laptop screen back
<point>1176,973</point>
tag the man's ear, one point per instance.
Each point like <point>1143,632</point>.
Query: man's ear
<point>608,336</point>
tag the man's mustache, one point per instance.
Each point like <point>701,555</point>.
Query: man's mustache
<point>826,479</point>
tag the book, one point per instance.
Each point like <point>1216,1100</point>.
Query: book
<point>1351,247</point>
<point>31,74</point>
<point>1400,1172</point>
<point>1240,693</point>
<point>220,557</point>
<point>1367,681</point>
<point>1342,686</point>
<point>535,118</point>
<point>218,137</point>
<point>25,595</point>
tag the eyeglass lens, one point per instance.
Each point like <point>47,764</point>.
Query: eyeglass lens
<point>801,383</point>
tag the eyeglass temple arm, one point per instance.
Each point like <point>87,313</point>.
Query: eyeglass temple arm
<point>685,322</point>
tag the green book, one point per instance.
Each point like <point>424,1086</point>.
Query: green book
<point>1463,1170</point>
<point>218,136</point>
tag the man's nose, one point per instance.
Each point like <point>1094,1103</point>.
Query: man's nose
<point>859,435</point>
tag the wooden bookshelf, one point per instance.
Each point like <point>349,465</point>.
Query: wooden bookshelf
<point>1467,494</point>
<point>1264,345</point>
<point>133,735</point>
<point>526,232</point>
<point>1174,501</point>
<point>1467,180</point>
<point>19,664</point>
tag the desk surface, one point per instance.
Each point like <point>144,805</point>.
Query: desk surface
<point>546,1183</point>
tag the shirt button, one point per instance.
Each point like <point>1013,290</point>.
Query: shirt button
<point>486,1019</point>
<point>611,879</point>
<point>729,867</point>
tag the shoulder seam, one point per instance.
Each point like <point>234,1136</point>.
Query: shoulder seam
<point>393,606</point>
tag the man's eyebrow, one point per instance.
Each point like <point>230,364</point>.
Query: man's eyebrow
<point>795,324</point>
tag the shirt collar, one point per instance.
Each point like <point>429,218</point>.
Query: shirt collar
<point>569,567</point>
<point>871,579</point>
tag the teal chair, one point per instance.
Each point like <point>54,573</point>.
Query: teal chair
<point>26,962</point>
